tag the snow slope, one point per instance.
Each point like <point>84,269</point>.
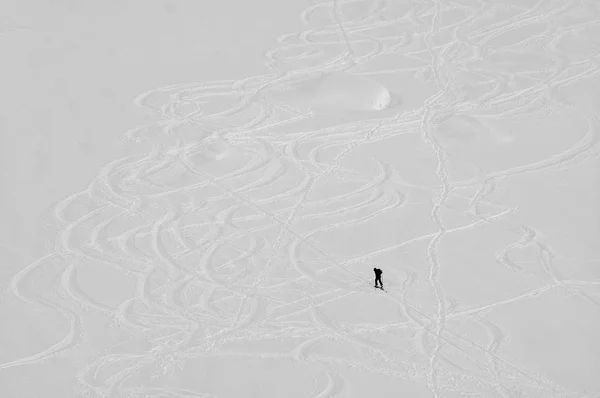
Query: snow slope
<point>195,196</point>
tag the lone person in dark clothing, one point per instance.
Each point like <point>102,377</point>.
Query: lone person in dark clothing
<point>378,273</point>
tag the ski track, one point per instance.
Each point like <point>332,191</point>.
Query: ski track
<point>166,218</point>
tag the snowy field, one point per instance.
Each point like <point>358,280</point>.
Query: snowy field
<point>195,194</point>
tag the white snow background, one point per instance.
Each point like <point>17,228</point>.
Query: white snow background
<point>195,194</point>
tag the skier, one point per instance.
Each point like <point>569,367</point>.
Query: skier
<point>378,273</point>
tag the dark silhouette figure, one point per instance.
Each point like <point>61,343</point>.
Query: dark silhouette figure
<point>378,273</point>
